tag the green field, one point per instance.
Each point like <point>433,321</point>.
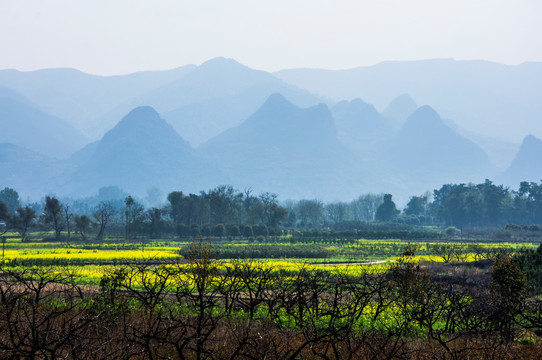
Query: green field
<point>216,298</point>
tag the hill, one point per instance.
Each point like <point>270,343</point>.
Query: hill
<point>291,151</point>
<point>360,126</point>
<point>398,110</point>
<point>426,153</point>
<point>24,124</point>
<point>83,99</point>
<point>140,152</point>
<point>526,166</point>
<point>30,173</point>
<point>493,99</point>
<point>217,95</point>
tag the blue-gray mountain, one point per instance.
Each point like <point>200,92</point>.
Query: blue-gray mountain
<point>291,151</point>
<point>360,127</point>
<point>24,124</point>
<point>281,148</point>
<point>488,98</point>
<point>398,110</point>
<point>140,152</point>
<point>527,165</point>
<point>32,174</point>
<point>198,101</point>
<point>290,145</point>
<point>83,99</point>
<point>426,153</point>
<point>217,95</point>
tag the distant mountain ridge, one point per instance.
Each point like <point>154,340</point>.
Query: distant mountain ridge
<point>527,164</point>
<point>427,153</point>
<point>82,99</point>
<point>360,126</point>
<point>24,124</point>
<point>220,94</point>
<point>223,122</point>
<point>30,173</point>
<point>140,152</point>
<point>398,110</point>
<point>488,98</point>
<point>288,150</point>
<point>220,90</point>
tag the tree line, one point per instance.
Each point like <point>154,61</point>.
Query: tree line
<point>225,211</point>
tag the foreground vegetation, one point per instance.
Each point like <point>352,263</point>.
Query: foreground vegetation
<point>188,304</point>
<point>202,308</point>
<point>300,281</point>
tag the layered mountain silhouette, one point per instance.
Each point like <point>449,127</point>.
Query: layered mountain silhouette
<point>291,151</point>
<point>24,124</point>
<point>360,126</point>
<point>292,144</point>
<point>398,110</point>
<point>140,152</point>
<point>219,78</point>
<point>219,94</point>
<point>527,165</point>
<point>426,153</point>
<point>29,172</point>
<point>84,99</point>
<point>199,101</point>
<point>497,100</point>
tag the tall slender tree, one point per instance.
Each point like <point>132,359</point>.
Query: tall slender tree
<point>53,215</point>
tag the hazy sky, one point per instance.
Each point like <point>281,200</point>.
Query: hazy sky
<point>122,36</point>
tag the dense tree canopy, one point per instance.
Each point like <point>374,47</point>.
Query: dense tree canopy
<point>10,198</point>
<point>464,206</point>
<point>487,204</point>
<point>53,215</point>
<point>387,210</point>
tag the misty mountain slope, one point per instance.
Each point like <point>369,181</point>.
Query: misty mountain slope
<point>500,152</point>
<point>84,154</point>
<point>30,173</point>
<point>488,98</point>
<point>360,126</point>
<point>426,153</point>
<point>218,95</point>
<point>219,78</point>
<point>201,121</point>
<point>398,110</point>
<point>23,124</point>
<point>140,152</point>
<point>526,166</point>
<point>291,151</point>
<point>81,98</point>
<point>11,94</point>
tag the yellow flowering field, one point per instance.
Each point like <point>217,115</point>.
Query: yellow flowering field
<point>90,255</point>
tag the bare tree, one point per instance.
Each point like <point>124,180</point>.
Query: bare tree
<point>102,216</point>
<point>68,218</point>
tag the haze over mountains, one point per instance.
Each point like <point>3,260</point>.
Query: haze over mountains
<point>360,126</point>
<point>427,152</point>
<point>290,151</point>
<point>196,127</point>
<point>85,100</point>
<point>24,123</point>
<point>498,100</point>
<point>527,165</point>
<point>140,152</point>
